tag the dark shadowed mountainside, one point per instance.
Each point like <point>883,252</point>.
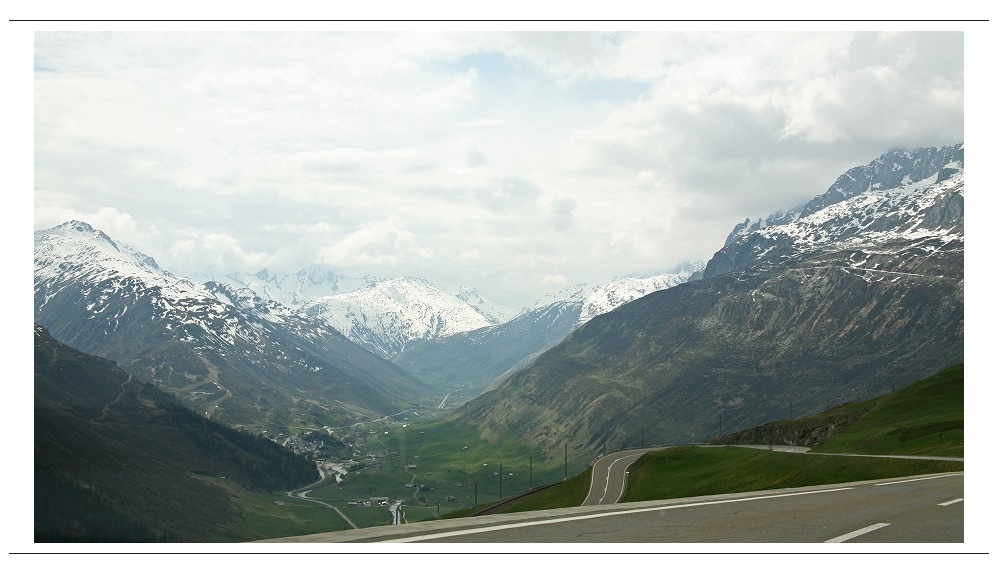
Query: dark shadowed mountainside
<point>118,460</point>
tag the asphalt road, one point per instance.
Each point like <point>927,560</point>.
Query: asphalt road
<point>610,476</point>
<point>922,509</point>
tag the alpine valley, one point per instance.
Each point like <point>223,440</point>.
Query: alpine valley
<point>309,349</point>
<point>854,293</point>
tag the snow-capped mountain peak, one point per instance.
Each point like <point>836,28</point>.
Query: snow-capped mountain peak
<point>894,169</point>
<point>902,196</point>
<point>388,315</point>
<point>494,312</point>
<point>601,298</point>
<point>220,347</point>
<point>75,244</point>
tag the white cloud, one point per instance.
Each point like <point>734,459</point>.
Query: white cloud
<point>554,281</point>
<point>386,243</point>
<point>506,155</point>
<point>213,253</point>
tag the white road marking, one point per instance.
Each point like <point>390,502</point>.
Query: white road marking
<point>605,488</point>
<point>917,479</point>
<point>949,502</point>
<point>453,533</point>
<point>859,532</point>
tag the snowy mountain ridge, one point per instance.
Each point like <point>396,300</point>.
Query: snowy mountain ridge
<point>597,299</point>
<point>859,291</point>
<point>900,198</point>
<point>224,350</point>
<point>77,255</point>
<point>387,316</point>
<point>897,168</point>
<point>380,314</point>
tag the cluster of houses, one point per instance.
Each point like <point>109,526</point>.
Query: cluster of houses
<point>372,501</point>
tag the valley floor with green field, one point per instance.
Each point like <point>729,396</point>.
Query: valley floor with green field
<point>438,470</point>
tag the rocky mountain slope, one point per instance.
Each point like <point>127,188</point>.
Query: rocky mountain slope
<point>222,350</point>
<point>839,303</point>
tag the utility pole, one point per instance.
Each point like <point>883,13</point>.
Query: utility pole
<point>500,481</point>
<point>642,438</point>
<point>566,461</point>
<point>476,495</point>
<point>530,479</point>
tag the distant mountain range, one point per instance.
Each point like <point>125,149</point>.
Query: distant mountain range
<point>465,364</point>
<point>383,315</point>
<point>860,290</point>
<point>309,353</point>
<point>225,351</point>
<point>390,316</point>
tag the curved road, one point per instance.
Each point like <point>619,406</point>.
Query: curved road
<point>302,494</point>
<point>609,479</point>
<point>923,509</point>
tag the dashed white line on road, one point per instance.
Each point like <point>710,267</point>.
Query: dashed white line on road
<point>949,502</point>
<point>859,532</point>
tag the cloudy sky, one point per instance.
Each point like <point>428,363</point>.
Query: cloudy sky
<point>516,162</point>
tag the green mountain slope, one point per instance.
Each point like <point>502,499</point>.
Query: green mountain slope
<point>924,418</point>
<point>735,350</point>
<point>116,459</point>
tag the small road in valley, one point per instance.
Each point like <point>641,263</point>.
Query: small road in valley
<point>302,494</point>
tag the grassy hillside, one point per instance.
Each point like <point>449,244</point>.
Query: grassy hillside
<point>116,459</point>
<point>924,419</point>
<point>697,471</point>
